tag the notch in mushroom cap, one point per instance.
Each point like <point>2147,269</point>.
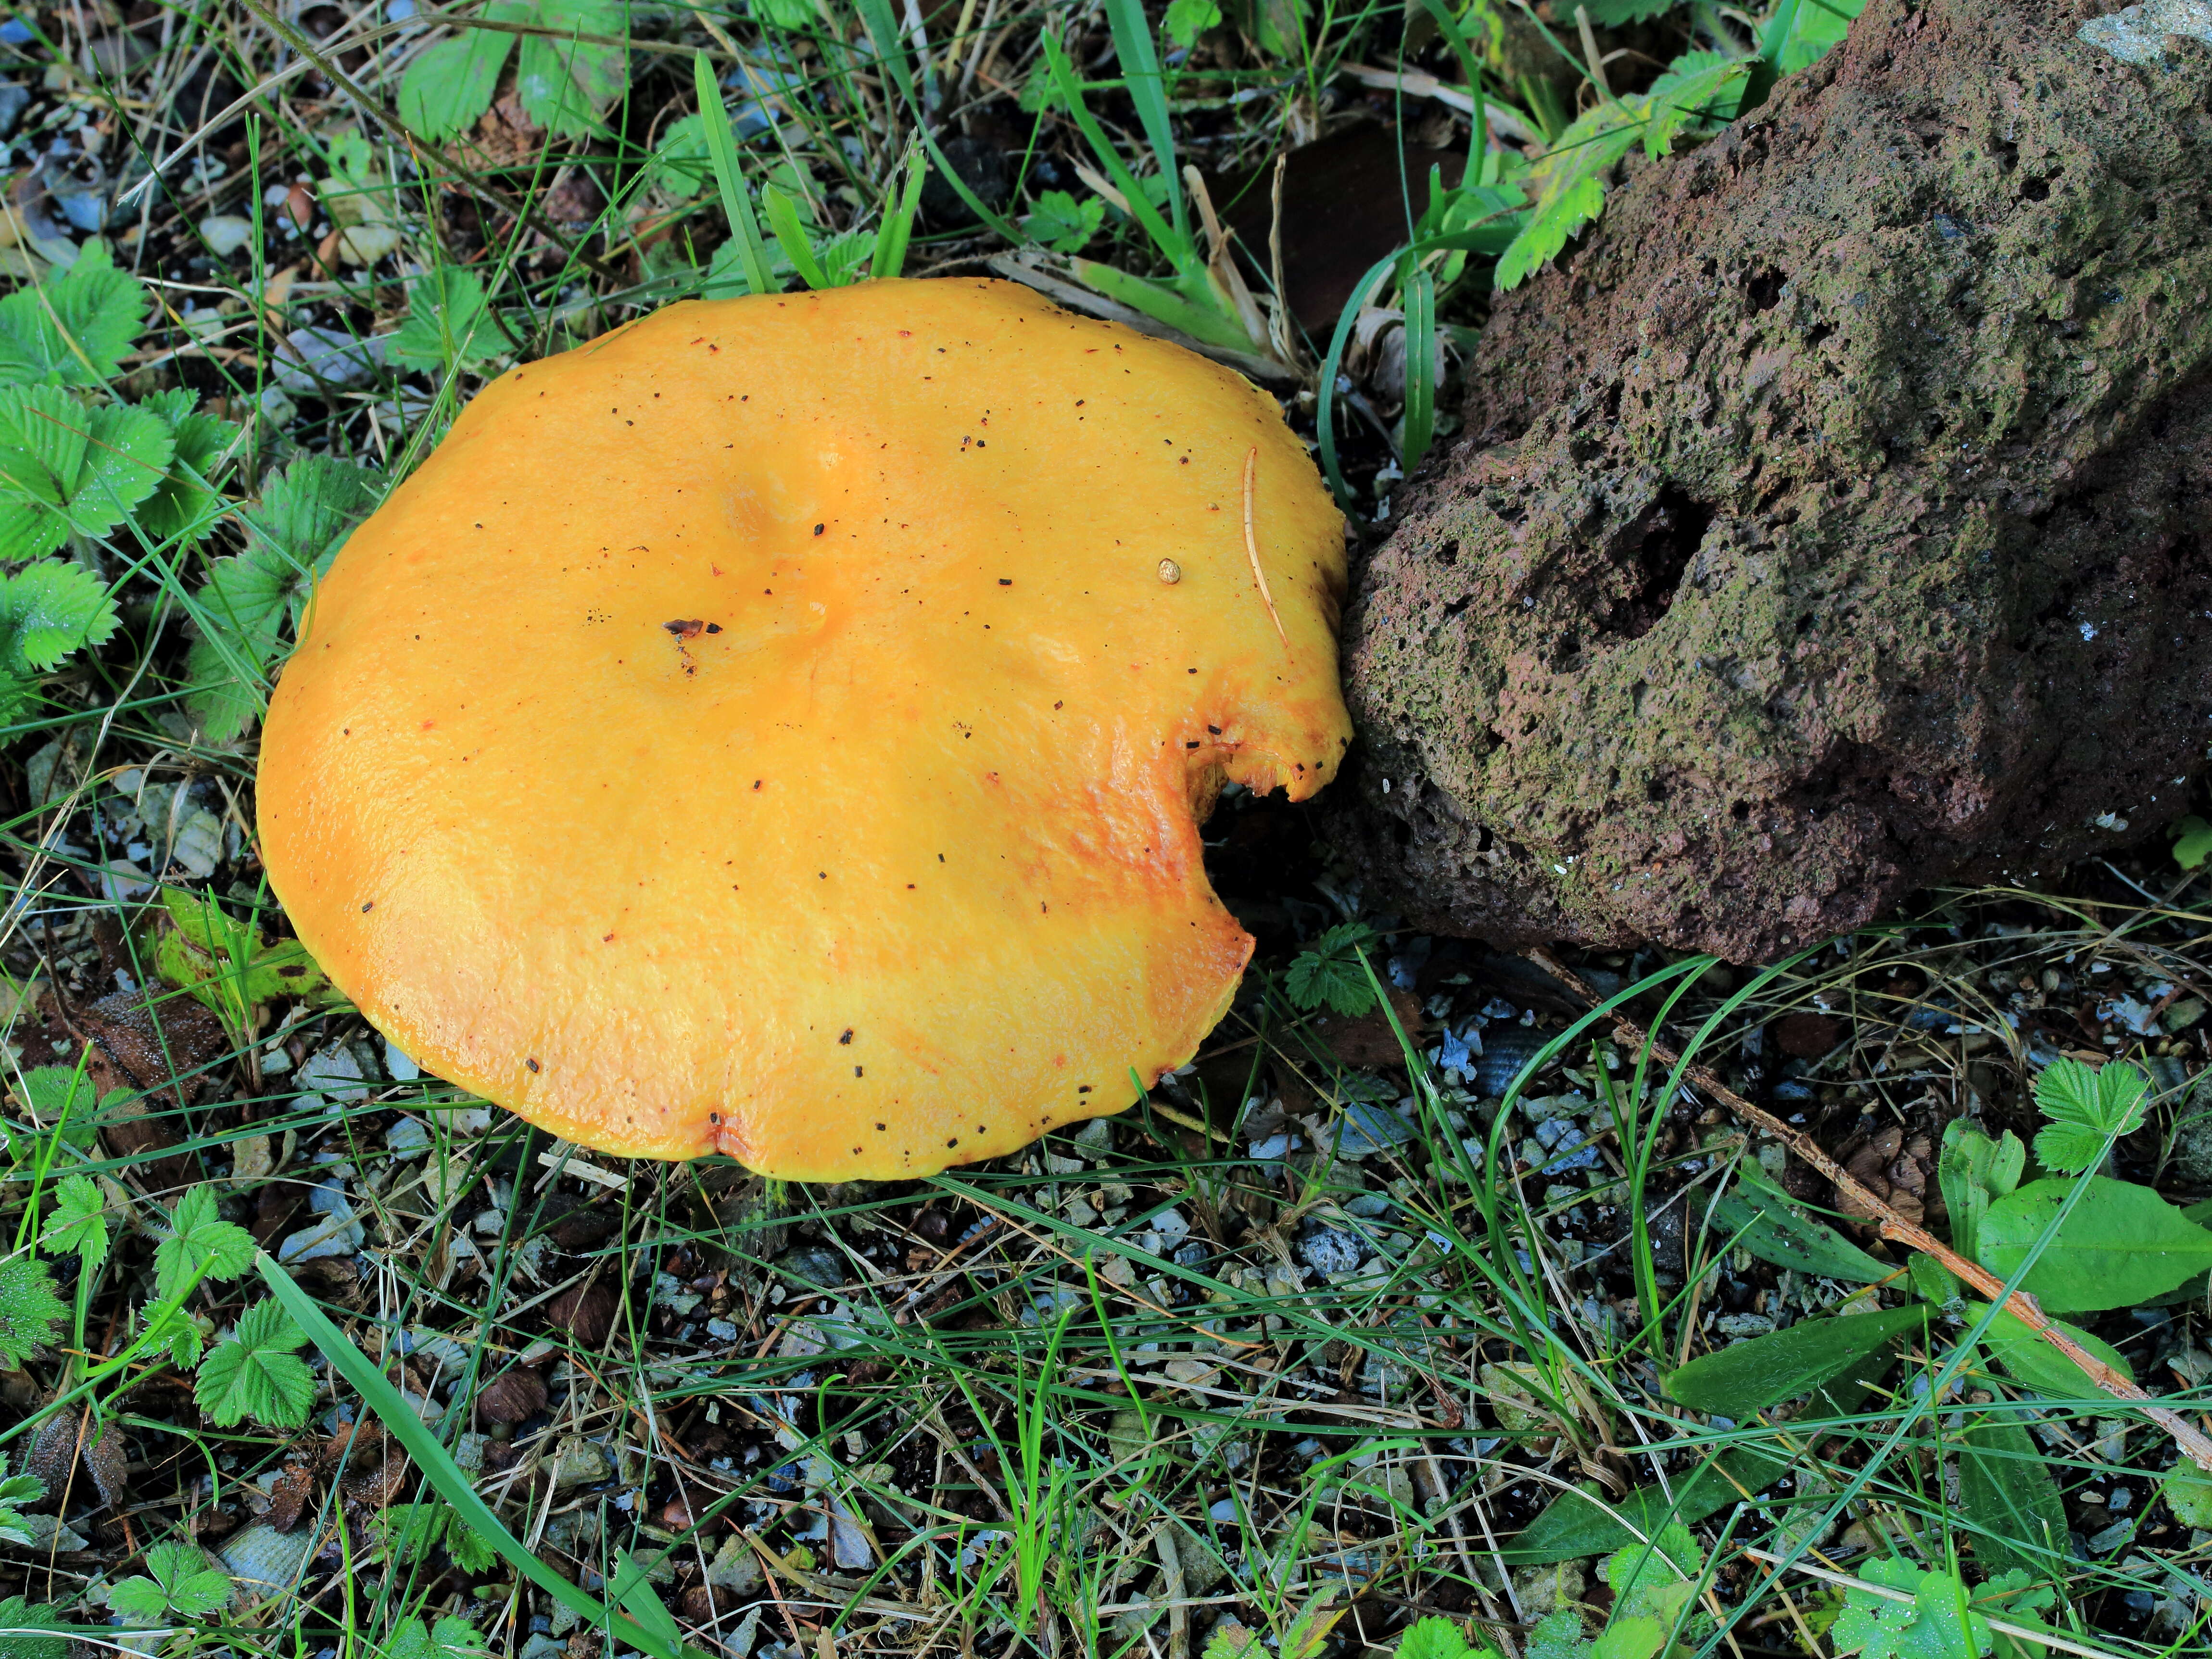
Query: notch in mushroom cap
<point>768,729</point>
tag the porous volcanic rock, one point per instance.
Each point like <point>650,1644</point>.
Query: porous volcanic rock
<point>1838,522</point>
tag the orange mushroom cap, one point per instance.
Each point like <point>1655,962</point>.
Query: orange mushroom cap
<point>781,726</point>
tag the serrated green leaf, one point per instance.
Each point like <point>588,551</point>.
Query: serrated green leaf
<point>78,1222</point>
<point>307,512</point>
<point>1231,1640</point>
<point>450,86</point>
<point>1937,1623</point>
<point>138,1600</point>
<point>1817,26</point>
<point>1185,21</point>
<point>15,1490</point>
<point>71,330</point>
<point>451,1639</point>
<point>2120,1245</point>
<point>2088,1107</point>
<point>1062,223</point>
<point>471,1551</point>
<point>177,1334</point>
<point>1558,1636</point>
<point>448,322</point>
<point>185,504</point>
<point>683,164</point>
<point>1566,186</point>
<point>303,517</point>
<point>2188,1492</point>
<point>58,1101</point>
<point>49,609</point>
<point>65,469</point>
<point>200,1245</point>
<point>1698,89</point>
<point>1559,213</point>
<point>1329,971</point>
<point>182,1585</point>
<point>564,83</point>
<point>30,1311</point>
<point>1653,1583</point>
<point>255,1373</point>
<point>18,1616</point>
<point>192,1587</point>
<point>1433,1637</point>
<point>1749,1376</point>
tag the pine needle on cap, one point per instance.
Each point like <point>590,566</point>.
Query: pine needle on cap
<point>1252,546</point>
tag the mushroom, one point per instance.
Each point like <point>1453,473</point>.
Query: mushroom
<point>767,729</point>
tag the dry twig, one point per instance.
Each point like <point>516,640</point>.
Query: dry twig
<point>2192,1440</point>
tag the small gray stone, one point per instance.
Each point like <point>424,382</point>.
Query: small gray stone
<point>1330,1250</point>
<point>815,1266</point>
<point>225,233</point>
<point>322,358</point>
<point>1366,1127</point>
<point>335,1071</point>
<point>264,1560</point>
<point>2191,1161</point>
<point>1744,1325</point>
<point>848,1544</point>
<point>2137,35</point>
<point>15,98</point>
<point>735,1567</point>
<point>577,1462</point>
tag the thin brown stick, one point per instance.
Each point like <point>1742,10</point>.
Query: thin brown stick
<point>1252,545</point>
<point>2020,1304</point>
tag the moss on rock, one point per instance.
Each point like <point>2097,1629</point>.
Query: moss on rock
<point>1838,522</point>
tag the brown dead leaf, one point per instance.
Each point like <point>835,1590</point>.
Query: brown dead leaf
<point>61,1440</point>
<point>289,1497</point>
<point>1806,1037</point>
<point>585,1313</point>
<point>1343,209</point>
<point>512,1398</point>
<point>154,1045</point>
<point>1369,1041</point>
<point>52,1455</point>
<point>505,136</point>
<point>109,1463</point>
<point>380,1487</point>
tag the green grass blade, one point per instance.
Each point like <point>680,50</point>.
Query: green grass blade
<point>1478,144</point>
<point>897,227</point>
<point>890,45</point>
<point>722,147</point>
<point>437,1464</point>
<point>1422,370</point>
<point>1140,71</point>
<point>1325,408</point>
<point>1171,242</point>
<point>791,236</point>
